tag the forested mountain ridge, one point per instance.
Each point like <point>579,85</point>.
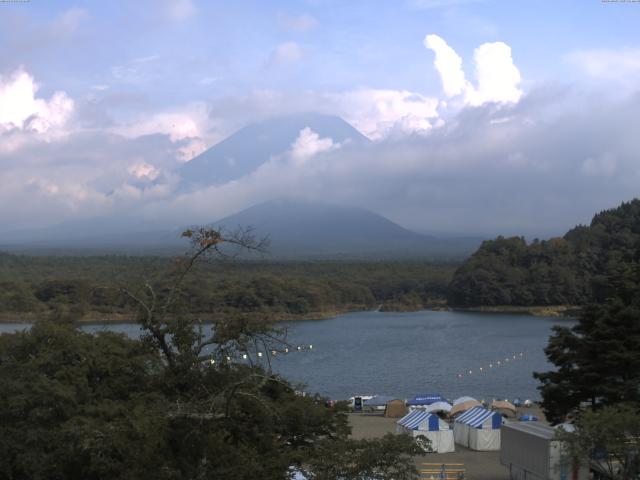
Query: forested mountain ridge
<point>585,265</point>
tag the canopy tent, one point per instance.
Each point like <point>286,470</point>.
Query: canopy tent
<point>378,401</point>
<point>478,429</point>
<point>395,409</point>
<point>504,407</point>
<point>425,399</point>
<point>463,399</point>
<point>464,406</point>
<point>438,407</point>
<point>420,423</point>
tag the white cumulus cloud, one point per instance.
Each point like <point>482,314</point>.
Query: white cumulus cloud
<point>20,108</point>
<point>379,112</point>
<point>309,144</point>
<point>448,64</point>
<point>497,76</point>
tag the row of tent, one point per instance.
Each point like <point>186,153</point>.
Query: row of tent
<point>477,429</point>
<point>435,404</point>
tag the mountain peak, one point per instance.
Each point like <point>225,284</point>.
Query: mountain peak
<point>244,151</point>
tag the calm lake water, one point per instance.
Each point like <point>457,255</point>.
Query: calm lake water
<point>402,354</point>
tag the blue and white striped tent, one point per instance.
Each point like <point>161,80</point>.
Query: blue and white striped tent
<point>420,423</point>
<point>478,417</point>
<point>478,429</point>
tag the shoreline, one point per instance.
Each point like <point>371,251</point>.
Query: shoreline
<point>554,311</point>
<point>558,311</point>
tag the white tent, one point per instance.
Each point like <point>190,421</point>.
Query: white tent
<point>463,399</point>
<point>478,429</point>
<point>420,423</point>
<point>438,407</point>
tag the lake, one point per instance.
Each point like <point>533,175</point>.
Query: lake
<point>401,354</point>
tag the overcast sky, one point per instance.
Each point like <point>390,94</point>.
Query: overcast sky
<point>486,117</point>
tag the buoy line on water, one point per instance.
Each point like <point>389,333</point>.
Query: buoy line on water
<point>493,365</point>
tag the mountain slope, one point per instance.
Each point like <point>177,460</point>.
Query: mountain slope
<point>304,229</point>
<point>247,149</point>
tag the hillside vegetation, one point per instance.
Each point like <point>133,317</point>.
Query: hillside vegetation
<point>573,270</point>
<point>87,288</point>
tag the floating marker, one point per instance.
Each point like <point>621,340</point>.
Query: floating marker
<point>310,347</point>
<point>244,356</point>
<point>260,354</point>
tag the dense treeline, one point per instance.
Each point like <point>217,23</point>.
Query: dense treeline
<point>573,270</point>
<point>89,287</point>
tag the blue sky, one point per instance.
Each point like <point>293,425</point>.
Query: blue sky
<point>161,80</point>
<point>343,44</point>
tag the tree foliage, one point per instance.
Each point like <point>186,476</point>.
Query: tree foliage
<point>573,270</point>
<point>172,405</point>
<point>609,438</point>
<point>37,287</point>
<point>598,360</point>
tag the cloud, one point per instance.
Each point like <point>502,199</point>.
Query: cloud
<point>496,74</point>
<point>493,169</point>
<point>190,127</point>
<point>621,66</point>
<point>448,64</point>
<point>21,109</point>
<point>498,77</point>
<point>309,144</point>
<point>297,23</point>
<point>144,171</point>
<point>288,52</point>
<point>505,168</point>
<point>377,113</point>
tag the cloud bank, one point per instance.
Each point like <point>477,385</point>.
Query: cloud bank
<point>486,158</point>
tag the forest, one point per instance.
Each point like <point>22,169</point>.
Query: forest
<point>575,269</point>
<point>89,288</point>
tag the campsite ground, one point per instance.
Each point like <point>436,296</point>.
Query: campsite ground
<point>478,465</point>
